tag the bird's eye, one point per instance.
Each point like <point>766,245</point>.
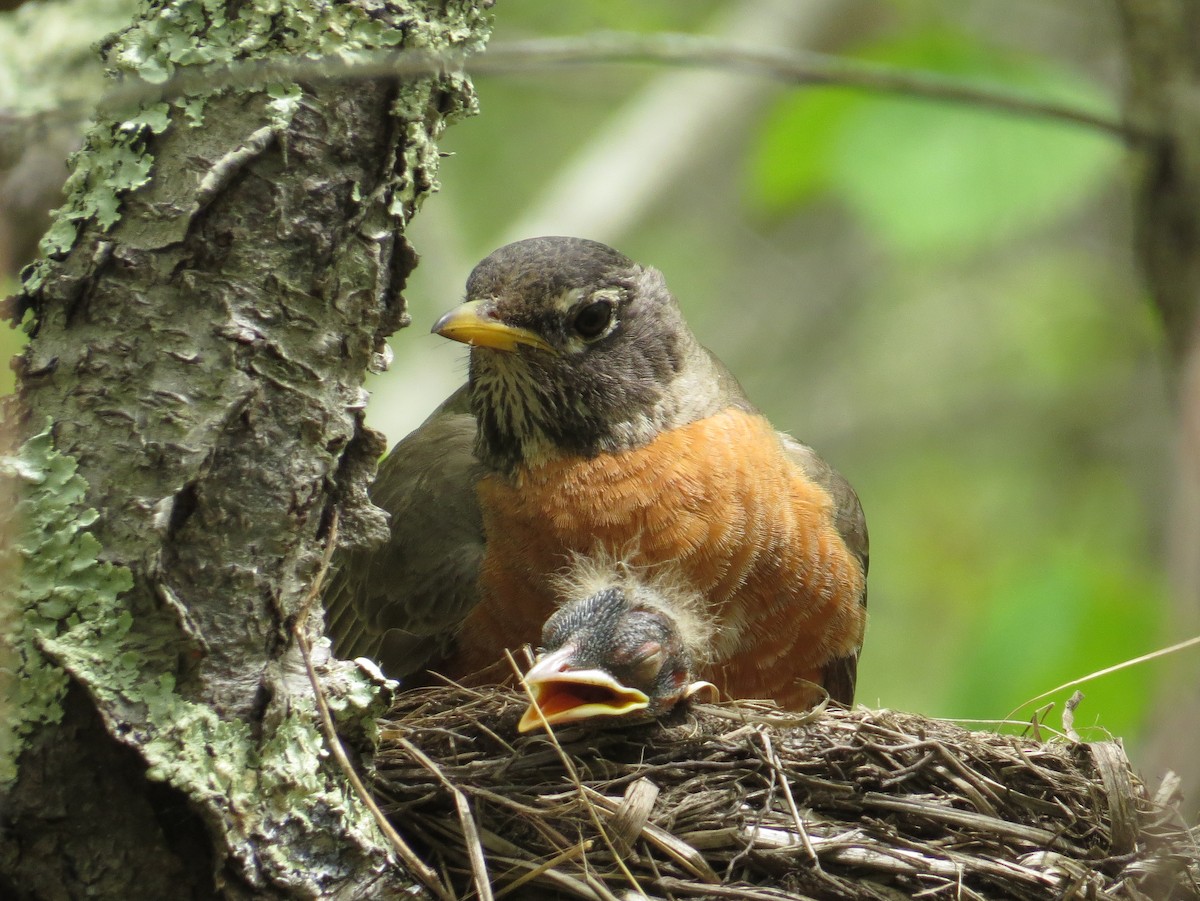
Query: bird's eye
<point>648,660</point>
<point>594,319</point>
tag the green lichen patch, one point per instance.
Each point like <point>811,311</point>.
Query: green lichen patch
<point>280,784</point>
<point>54,582</point>
<point>65,616</point>
<point>357,694</point>
<point>112,162</point>
<point>295,794</point>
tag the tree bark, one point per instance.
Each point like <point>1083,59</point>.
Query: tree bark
<point>1163,58</point>
<point>222,276</point>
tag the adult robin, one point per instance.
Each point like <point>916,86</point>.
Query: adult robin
<point>594,424</point>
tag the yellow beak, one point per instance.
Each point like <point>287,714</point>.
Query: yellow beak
<point>475,323</point>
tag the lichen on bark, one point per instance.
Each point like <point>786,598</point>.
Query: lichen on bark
<point>176,33</point>
<point>225,269</point>
<point>52,583</point>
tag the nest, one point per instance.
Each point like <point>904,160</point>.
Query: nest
<point>744,802</point>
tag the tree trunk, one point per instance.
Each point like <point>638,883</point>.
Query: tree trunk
<point>223,274</point>
<point>1163,57</point>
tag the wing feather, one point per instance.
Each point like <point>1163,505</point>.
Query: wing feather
<point>401,604</point>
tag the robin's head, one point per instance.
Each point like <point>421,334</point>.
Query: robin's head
<point>576,348</point>
<point>620,650</point>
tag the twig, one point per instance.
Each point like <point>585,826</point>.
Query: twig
<point>734,892</point>
<point>465,818</point>
<point>670,844</point>
<point>414,863</point>
<point>751,712</point>
<point>1068,716</point>
<point>940,813</point>
<point>562,857</point>
<point>314,590</point>
<point>785,784</point>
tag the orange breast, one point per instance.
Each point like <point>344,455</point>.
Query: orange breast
<point>721,503</point>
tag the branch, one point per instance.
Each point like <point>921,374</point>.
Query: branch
<point>796,67</point>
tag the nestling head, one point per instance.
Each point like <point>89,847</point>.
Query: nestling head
<point>624,648</point>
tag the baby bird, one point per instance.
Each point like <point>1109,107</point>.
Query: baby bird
<point>625,644</point>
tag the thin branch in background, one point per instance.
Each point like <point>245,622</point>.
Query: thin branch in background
<point>796,67</point>
<point>785,65</point>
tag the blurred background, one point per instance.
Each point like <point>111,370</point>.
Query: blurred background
<point>941,299</point>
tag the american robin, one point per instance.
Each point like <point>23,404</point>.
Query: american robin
<point>619,644</point>
<point>594,424</point>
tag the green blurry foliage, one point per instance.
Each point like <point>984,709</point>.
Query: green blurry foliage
<point>1071,615</point>
<point>928,177</point>
<point>994,585</point>
<point>1012,477</point>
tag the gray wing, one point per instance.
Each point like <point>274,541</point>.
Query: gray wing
<point>401,604</point>
<point>841,674</point>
